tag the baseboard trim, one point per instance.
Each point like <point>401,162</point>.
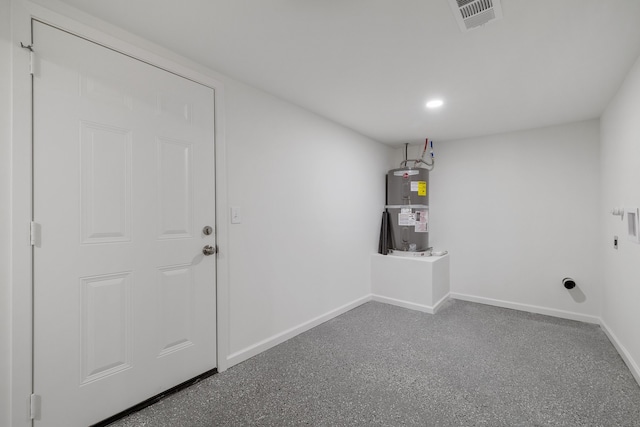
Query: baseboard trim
<point>246,353</point>
<point>622,351</point>
<point>411,305</point>
<point>529,308</point>
<point>440,303</point>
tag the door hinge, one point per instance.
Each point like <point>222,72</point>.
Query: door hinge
<point>29,47</point>
<point>35,234</point>
<point>35,403</point>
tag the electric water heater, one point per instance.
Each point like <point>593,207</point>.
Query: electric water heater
<point>408,209</point>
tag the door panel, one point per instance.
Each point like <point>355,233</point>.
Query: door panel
<point>106,325</point>
<point>124,299</point>
<point>105,179</point>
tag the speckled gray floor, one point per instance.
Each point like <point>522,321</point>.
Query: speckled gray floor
<point>381,365</point>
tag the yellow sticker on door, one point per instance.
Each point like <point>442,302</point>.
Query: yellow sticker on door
<point>422,188</point>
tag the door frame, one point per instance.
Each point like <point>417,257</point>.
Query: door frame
<point>21,263</point>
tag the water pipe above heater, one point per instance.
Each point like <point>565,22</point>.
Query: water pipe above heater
<point>420,161</point>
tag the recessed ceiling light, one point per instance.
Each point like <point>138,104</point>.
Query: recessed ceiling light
<point>435,103</point>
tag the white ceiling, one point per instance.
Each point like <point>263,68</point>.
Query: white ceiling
<point>372,64</point>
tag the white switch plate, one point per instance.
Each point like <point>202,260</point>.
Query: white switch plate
<point>235,215</point>
<point>633,224</point>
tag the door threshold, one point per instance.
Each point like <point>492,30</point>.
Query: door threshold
<point>155,399</point>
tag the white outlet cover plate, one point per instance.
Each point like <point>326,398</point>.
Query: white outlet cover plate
<point>235,215</point>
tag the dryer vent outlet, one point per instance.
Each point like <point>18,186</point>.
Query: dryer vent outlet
<point>568,283</point>
<point>471,14</point>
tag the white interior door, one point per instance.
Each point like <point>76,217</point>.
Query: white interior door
<point>124,299</point>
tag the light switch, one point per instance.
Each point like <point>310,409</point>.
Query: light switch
<point>235,215</point>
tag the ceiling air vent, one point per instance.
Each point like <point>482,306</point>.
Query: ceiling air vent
<point>472,14</point>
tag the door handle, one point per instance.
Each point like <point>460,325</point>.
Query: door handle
<point>208,250</point>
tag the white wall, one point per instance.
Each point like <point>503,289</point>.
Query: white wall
<point>310,194</point>
<point>519,212</point>
<point>620,136</point>
<point>5,168</point>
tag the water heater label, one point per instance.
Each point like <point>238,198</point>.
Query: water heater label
<point>420,187</point>
<point>422,222</point>
<point>406,218</point>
